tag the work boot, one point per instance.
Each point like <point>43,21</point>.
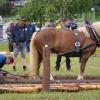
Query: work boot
<point>14,68</point>
<point>24,68</point>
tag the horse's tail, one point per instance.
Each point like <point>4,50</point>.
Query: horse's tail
<point>33,57</point>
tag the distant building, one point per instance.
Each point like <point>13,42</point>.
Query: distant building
<point>18,3</point>
<point>7,5</point>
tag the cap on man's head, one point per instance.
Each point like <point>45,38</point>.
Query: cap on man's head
<point>21,18</point>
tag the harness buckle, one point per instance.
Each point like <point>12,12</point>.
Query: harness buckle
<point>77,44</point>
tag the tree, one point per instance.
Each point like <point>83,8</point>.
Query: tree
<point>40,10</point>
<point>97,6</point>
<point>6,7</point>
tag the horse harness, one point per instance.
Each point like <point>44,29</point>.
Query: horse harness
<point>77,43</point>
<point>93,34</point>
<point>77,51</point>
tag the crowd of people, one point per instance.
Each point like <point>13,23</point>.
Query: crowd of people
<point>19,36</point>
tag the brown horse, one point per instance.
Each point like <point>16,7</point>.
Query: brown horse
<point>62,41</point>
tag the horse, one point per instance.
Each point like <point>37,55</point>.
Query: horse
<point>61,41</point>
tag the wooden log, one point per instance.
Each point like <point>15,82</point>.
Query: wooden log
<point>20,89</point>
<point>46,69</point>
<point>70,79</point>
<point>74,77</point>
<point>86,86</point>
<point>27,88</point>
<point>98,86</point>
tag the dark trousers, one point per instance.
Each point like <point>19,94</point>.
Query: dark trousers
<point>28,46</point>
<point>58,61</point>
<point>10,45</point>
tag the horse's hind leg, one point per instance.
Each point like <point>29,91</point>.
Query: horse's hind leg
<point>58,61</point>
<point>68,61</point>
<point>84,60</point>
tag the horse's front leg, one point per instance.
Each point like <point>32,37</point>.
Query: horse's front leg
<point>37,76</point>
<point>84,60</point>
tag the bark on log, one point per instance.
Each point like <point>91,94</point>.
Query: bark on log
<point>27,88</point>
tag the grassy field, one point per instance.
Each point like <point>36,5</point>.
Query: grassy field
<point>82,95</point>
<point>93,68</point>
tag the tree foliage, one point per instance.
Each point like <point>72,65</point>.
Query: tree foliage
<point>97,6</point>
<point>40,10</point>
<point>6,7</point>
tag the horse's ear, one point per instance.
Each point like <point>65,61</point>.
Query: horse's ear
<point>87,22</point>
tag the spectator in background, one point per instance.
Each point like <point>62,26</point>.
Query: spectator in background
<point>1,27</point>
<point>31,27</point>
<point>31,30</point>
<point>20,37</point>
<point>9,35</point>
<point>71,24</point>
<point>62,25</point>
<point>51,23</point>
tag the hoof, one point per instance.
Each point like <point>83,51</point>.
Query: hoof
<point>37,78</point>
<point>80,78</point>
<point>51,77</point>
<point>31,76</point>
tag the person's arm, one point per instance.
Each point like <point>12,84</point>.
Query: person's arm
<point>2,60</point>
<point>57,22</point>
<point>13,37</point>
<point>8,30</point>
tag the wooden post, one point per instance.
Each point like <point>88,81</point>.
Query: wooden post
<point>46,69</point>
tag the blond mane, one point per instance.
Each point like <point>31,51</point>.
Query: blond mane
<point>96,26</point>
<point>83,29</point>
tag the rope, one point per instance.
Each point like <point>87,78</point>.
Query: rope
<point>6,72</point>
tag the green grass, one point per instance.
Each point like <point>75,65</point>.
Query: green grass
<point>93,68</point>
<point>4,47</point>
<point>82,95</point>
